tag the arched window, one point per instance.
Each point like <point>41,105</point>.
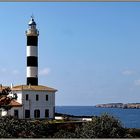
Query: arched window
<point>37,113</point>
<point>27,113</point>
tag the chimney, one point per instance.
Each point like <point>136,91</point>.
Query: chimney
<point>11,85</point>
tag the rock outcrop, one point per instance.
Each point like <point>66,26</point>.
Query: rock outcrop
<point>120,105</point>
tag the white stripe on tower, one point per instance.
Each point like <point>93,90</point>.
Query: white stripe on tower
<point>32,71</point>
<point>32,53</point>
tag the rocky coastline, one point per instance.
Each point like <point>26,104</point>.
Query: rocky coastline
<point>120,105</point>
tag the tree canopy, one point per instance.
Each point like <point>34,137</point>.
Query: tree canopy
<point>104,126</point>
<point>6,98</point>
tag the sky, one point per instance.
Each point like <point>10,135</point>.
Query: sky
<point>88,51</point>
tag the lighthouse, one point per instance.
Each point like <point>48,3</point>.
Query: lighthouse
<point>34,101</point>
<point>32,53</point>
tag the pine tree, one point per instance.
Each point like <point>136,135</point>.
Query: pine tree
<point>5,98</point>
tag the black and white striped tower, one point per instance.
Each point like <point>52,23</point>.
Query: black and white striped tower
<point>32,53</point>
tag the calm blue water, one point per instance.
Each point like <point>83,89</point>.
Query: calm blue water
<point>129,117</point>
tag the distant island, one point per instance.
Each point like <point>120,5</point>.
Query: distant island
<point>120,105</point>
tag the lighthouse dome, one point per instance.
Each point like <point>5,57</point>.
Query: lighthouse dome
<point>31,22</point>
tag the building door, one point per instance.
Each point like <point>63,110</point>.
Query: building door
<point>27,113</point>
<point>37,113</point>
<point>16,113</point>
<point>47,113</point>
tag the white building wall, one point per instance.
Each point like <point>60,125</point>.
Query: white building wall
<point>41,104</point>
<point>20,109</point>
<point>31,104</point>
<point>19,94</point>
<point>20,112</point>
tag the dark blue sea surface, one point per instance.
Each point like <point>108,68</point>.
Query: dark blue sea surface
<point>130,118</point>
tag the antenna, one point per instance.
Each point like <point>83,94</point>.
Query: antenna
<point>32,16</point>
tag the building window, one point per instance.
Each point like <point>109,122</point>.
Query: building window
<point>27,97</point>
<point>37,113</point>
<point>16,113</point>
<point>27,113</point>
<point>46,113</point>
<point>37,97</point>
<point>46,97</point>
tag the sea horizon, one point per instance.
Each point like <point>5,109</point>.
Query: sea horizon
<point>128,117</point>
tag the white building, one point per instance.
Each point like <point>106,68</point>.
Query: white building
<point>34,101</point>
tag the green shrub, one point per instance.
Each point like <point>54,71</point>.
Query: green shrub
<point>12,127</point>
<point>133,133</point>
<point>104,126</point>
<point>64,134</point>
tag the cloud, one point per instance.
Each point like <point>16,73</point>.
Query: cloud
<point>137,82</point>
<point>44,71</point>
<point>3,70</point>
<point>128,72</point>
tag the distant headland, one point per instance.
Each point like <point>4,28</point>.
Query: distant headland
<point>120,105</point>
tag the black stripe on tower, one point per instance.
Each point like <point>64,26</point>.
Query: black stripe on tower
<point>32,40</point>
<point>32,80</point>
<point>32,61</point>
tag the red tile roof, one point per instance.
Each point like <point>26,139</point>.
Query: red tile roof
<point>31,87</point>
<point>14,103</point>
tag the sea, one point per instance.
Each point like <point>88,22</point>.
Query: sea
<point>130,118</point>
